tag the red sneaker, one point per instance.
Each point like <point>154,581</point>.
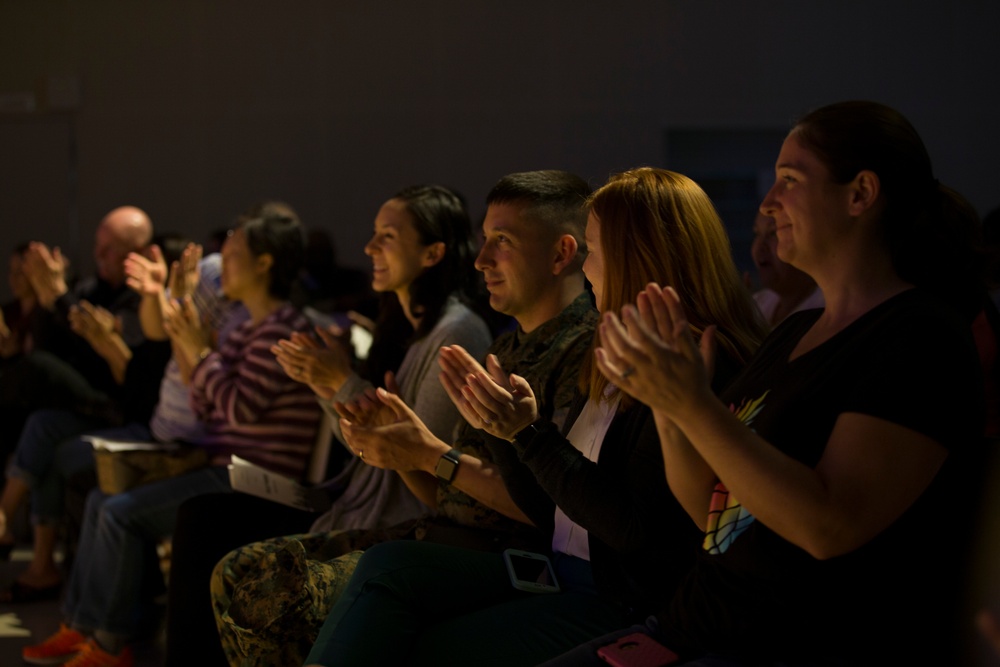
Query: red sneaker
<point>92,655</point>
<point>55,650</point>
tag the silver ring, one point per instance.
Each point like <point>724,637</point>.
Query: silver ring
<point>628,371</point>
<point>487,422</point>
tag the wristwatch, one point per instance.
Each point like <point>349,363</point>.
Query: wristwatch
<point>448,465</point>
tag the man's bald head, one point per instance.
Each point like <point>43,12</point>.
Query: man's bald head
<point>125,229</point>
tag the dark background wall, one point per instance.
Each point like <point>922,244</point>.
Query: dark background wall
<point>192,109</point>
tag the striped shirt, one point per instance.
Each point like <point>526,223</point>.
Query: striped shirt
<point>249,405</point>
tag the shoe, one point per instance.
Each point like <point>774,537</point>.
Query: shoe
<point>92,655</point>
<point>21,592</point>
<point>57,649</point>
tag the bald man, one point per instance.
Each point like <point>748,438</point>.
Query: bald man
<point>125,229</point>
<point>63,371</point>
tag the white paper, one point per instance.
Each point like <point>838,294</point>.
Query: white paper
<point>249,478</point>
<point>129,445</point>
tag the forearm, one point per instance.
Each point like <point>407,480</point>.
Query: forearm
<point>184,366</point>
<point>151,316</point>
<point>117,354</point>
<point>482,480</point>
<point>422,486</point>
<point>619,500</point>
<point>474,477</point>
<point>788,497</point>
<point>690,478</point>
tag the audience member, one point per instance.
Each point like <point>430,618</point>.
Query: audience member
<point>15,340</point>
<point>15,315</point>
<point>836,478</point>
<point>62,370</point>
<point>49,452</point>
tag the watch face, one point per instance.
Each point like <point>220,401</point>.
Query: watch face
<point>447,465</point>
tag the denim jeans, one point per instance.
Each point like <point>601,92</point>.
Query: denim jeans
<point>119,534</point>
<point>48,453</point>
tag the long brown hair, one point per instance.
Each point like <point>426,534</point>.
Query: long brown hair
<point>660,226</point>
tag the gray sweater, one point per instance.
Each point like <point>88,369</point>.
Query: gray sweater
<point>374,497</point>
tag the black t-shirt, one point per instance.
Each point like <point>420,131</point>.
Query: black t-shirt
<point>752,593</point>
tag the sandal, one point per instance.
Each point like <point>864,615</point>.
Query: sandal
<point>21,592</point>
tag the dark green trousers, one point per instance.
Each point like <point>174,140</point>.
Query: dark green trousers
<point>415,603</point>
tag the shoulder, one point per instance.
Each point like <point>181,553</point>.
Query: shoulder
<point>460,319</point>
<point>575,324</point>
<point>279,324</point>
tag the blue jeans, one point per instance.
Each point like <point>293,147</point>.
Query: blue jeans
<point>119,533</point>
<point>48,453</point>
<point>418,603</point>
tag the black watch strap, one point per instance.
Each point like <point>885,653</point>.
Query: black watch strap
<point>528,433</point>
<point>447,465</point>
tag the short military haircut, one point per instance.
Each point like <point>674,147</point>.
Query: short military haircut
<point>551,198</point>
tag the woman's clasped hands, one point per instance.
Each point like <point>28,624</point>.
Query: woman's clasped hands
<point>323,362</point>
<point>384,432</point>
<point>650,352</point>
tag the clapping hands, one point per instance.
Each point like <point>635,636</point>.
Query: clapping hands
<point>487,398</point>
<point>650,352</point>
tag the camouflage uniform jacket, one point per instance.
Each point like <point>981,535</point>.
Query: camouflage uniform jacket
<point>549,358</point>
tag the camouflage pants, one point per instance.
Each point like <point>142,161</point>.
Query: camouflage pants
<point>270,598</point>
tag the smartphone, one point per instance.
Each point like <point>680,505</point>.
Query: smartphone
<point>530,572</point>
<point>637,650</point>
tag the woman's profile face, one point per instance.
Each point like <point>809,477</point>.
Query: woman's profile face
<point>809,209</point>
<point>593,266</point>
<point>239,274</point>
<point>398,256</point>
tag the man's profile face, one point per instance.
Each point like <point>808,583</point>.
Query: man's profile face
<point>516,260</point>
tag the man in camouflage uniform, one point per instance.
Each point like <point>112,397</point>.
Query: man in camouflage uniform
<point>270,598</point>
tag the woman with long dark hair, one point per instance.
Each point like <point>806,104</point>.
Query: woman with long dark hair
<point>422,253</point>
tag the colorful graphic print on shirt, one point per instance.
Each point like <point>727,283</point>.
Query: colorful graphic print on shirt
<point>727,518</point>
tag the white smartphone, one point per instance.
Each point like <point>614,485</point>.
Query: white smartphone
<point>530,572</point>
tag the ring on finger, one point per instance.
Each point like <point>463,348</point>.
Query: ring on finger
<point>361,454</point>
<point>627,372</point>
<point>487,422</point>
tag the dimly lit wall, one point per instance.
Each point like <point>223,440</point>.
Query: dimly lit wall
<point>192,109</point>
